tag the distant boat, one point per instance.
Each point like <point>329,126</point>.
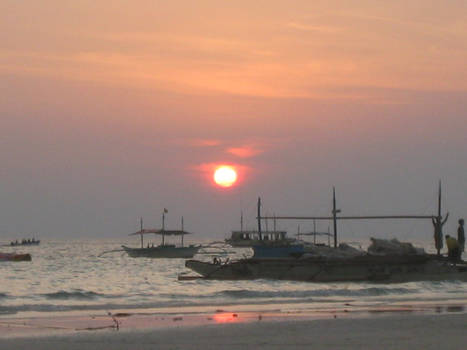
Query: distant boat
<point>163,250</point>
<point>253,238</point>
<point>265,244</point>
<point>14,257</point>
<point>23,242</point>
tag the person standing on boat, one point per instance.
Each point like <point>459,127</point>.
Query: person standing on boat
<point>454,252</point>
<point>461,235</point>
<point>438,224</point>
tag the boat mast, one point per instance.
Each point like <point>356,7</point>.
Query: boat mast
<point>334,215</point>
<point>241,220</point>
<point>163,226</point>
<point>439,200</point>
<point>141,230</point>
<point>314,231</point>
<point>183,232</point>
<point>259,219</point>
<point>438,223</point>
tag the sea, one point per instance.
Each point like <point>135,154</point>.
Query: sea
<point>96,277</point>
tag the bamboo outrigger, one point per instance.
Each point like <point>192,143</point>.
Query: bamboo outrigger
<point>437,220</point>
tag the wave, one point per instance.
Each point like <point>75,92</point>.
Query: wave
<point>13,309</point>
<point>189,302</point>
<point>76,294</point>
<point>295,294</point>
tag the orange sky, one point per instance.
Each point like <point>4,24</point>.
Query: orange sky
<point>319,49</point>
<point>103,101</point>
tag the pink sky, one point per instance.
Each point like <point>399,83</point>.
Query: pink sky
<point>111,110</point>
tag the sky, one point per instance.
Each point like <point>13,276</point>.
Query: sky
<point>114,110</point>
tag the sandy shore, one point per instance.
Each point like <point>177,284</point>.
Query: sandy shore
<point>393,331</point>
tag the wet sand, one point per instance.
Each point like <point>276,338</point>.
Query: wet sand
<point>399,328</point>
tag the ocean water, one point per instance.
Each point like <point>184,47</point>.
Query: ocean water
<point>74,277</point>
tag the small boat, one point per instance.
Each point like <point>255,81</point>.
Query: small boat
<point>15,257</point>
<point>25,242</point>
<point>265,244</point>
<point>163,250</point>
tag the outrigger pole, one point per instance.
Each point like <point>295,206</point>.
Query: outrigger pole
<point>334,216</point>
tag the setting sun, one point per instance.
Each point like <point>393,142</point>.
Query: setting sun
<point>225,176</point>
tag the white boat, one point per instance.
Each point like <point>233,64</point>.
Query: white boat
<point>163,250</point>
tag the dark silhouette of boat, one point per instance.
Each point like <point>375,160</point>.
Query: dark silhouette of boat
<point>385,268</point>
<point>15,257</point>
<point>25,242</point>
<point>400,262</point>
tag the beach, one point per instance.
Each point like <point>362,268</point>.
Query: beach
<point>379,331</point>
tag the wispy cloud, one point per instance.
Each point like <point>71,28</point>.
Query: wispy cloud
<point>313,28</point>
<point>246,151</point>
<point>205,142</point>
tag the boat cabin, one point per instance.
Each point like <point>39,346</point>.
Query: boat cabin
<point>161,232</point>
<point>248,238</point>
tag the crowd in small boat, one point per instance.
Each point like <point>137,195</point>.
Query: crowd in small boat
<point>30,241</point>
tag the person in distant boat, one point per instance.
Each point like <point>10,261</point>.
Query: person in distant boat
<point>461,235</point>
<point>454,252</point>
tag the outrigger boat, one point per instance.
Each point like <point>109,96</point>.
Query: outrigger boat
<point>265,244</point>
<point>250,238</point>
<point>163,250</point>
<point>384,268</point>
<point>400,265</point>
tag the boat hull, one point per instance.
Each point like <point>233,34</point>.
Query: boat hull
<point>20,244</point>
<point>162,252</point>
<point>364,268</point>
<point>15,257</point>
<point>277,251</point>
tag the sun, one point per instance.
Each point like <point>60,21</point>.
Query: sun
<point>225,176</point>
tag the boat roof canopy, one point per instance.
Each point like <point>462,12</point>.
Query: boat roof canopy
<point>160,232</point>
<point>262,232</point>
<point>313,233</point>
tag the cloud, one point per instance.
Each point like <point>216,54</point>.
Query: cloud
<point>205,142</point>
<point>244,151</point>
<point>313,28</point>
